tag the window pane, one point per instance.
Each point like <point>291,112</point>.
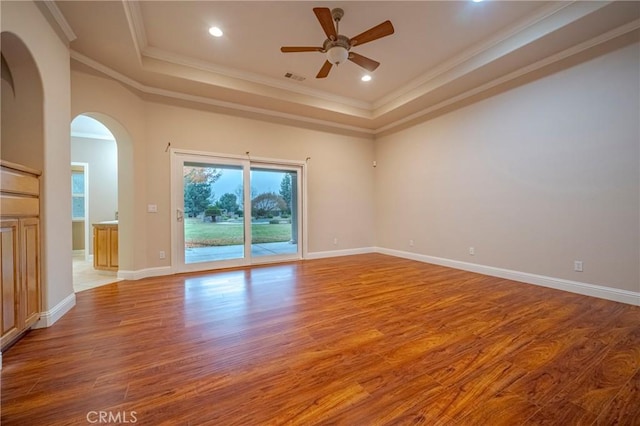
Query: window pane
<point>77,183</point>
<point>77,207</point>
<point>274,221</point>
<point>213,219</point>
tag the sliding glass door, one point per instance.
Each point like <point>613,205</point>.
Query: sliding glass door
<point>213,225</point>
<point>274,211</point>
<point>233,212</point>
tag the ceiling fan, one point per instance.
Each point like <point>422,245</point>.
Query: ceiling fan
<point>338,47</point>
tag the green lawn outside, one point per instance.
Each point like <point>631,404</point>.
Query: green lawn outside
<point>198,233</point>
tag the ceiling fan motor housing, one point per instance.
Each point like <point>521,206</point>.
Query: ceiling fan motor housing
<point>342,41</point>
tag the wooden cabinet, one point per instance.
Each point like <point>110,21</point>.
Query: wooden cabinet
<point>10,280</point>
<point>30,260</point>
<point>105,246</point>
<point>20,248</point>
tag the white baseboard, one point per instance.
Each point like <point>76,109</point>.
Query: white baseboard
<point>602,292</point>
<point>145,273</point>
<point>617,295</point>
<point>48,318</point>
<point>336,253</point>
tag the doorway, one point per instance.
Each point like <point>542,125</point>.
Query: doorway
<point>80,209</point>
<point>94,183</point>
<point>234,211</point>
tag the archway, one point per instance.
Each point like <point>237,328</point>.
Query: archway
<point>22,105</point>
<point>125,192</point>
<point>94,201</point>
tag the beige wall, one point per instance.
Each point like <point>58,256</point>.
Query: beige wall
<point>340,184</point>
<point>102,158</point>
<point>533,179</point>
<point>340,175</point>
<point>51,56</point>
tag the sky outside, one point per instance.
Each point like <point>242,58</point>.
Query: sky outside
<point>261,181</point>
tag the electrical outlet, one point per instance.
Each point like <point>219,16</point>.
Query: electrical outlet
<point>163,255</point>
<point>410,243</point>
<point>472,251</point>
<point>335,241</point>
<point>577,265</point>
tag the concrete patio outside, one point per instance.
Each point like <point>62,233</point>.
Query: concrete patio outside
<point>212,253</point>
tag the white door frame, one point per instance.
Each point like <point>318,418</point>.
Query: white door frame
<point>178,156</point>
<point>87,227</point>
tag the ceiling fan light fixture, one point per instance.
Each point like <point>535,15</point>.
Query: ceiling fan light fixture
<point>337,55</point>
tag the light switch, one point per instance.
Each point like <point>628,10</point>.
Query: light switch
<point>152,208</point>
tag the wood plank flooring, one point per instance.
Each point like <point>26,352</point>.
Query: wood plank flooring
<point>358,340</point>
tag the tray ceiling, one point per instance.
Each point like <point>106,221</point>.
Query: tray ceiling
<point>441,52</point>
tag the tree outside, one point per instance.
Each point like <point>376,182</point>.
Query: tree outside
<point>228,202</point>
<point>197,188</point>
<point>268,204</point>
<point>239,193</point>
<point>285,191</point>
<point>212,212</point>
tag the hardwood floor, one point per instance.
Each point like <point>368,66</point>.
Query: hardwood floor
<point>358,340</point>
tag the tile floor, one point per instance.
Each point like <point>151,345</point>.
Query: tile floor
<point>85,277</point>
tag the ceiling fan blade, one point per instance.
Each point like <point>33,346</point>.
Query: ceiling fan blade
<point>326,21</point>
<point>324,71</point>
<point>379,31</point>
<point>293,49</point>
<point>366,63</point>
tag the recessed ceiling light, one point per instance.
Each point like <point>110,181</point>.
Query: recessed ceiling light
<point>366,77</point>
<point>477,1</point>
<point>215,31</point>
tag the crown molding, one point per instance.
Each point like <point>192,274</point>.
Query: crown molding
<point>546,20</point>
<point>136,26</point>
<point>53,14</point>
<point>209,101</point>
<point>173,58</point>
<point>574,50</point>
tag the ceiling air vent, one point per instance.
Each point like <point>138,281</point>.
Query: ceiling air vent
<point>295,77</point>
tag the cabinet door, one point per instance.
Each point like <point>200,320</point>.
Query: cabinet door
<point>30,251</point>
<point>113,247</point>
<point>100,247</point>
<point>10,271</point>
